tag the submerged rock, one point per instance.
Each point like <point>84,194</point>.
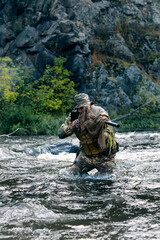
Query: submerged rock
<point>63,147</point>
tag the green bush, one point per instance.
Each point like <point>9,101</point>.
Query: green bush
<point>54,92</point>
<point>39,106</point>
<point>8,93</point>
<point>147,118</point>
<point>49,125</point>
<point>140,122</point>
<point>16,117</point>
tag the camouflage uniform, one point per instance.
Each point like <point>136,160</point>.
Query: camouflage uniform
<point>91,154</point>
<point>84,163</point>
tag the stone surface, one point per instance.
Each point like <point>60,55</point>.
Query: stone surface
<point>112,47</point>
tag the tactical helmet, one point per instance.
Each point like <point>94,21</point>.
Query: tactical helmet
<point>81,100</point>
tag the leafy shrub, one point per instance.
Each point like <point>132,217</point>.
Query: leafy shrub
<point>8,91</point>
<point>54,92</point>
<point>34,124</point>
<point>36,105</point>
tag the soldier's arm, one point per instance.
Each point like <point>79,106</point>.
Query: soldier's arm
<point>101,114</point>
<point>66,129</point>
<point>103,117</point>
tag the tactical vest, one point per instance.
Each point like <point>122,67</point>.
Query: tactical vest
<point>89,145</point>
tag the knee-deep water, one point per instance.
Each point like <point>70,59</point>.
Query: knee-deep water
<point>39,200</point>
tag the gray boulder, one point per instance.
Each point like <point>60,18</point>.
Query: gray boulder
<point>27,38</point>
<point>6,35</point>
<point>117,47</point>
<point>104,90</point>
<point>129,80</point>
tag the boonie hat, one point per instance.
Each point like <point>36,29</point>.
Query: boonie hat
<point>81,100</point>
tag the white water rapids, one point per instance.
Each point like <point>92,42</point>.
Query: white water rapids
<point>39,200</point>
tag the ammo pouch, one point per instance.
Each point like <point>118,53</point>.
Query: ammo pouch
<point>91,148</point>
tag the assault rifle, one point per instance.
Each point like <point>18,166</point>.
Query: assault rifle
<point>75,113</point>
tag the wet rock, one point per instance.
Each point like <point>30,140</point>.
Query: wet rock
<point>105,91</point>
<point>156,13</point>
<point>116,46</point>
<point>140,2</point>
<point>65,26</point>
<point>26,38</point>
<point>68,3</point>
<point>132,76</point>
<point>6,35</point>
<point>63,147</point>
<point>76,65</point>
<point>42,59</point>
<point>155,68</point>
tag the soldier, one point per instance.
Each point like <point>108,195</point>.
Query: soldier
<point>97,143</point>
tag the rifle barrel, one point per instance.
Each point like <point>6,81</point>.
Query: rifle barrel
<point>112,124</point>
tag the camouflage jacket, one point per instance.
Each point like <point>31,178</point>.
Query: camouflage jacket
<point>90,141</point>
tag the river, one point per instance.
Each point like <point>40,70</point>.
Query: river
<point>39,200</point>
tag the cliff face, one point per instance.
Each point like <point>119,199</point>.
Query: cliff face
<point>112,47</point>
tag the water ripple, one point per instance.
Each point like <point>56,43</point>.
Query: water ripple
<point>40,200</point>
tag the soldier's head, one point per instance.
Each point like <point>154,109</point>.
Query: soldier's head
<point>81,101</point>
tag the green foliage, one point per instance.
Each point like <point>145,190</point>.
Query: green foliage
<point>49,125</point>
<point>8,91</point>
<point>24,80</point>
<point>23,117</point>
<point>54,92</point>
<point>36,105</point>
<point>146,118</point>
<point>140,121</point>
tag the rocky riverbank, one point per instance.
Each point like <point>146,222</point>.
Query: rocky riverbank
<point>112,47</point>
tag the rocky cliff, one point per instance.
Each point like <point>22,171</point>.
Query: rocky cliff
<point>112,46</point>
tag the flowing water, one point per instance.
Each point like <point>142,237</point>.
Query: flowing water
<point>40,200</point>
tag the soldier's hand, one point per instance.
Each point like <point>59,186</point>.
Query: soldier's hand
<point>75,124</point>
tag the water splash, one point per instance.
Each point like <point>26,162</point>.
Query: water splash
<point>41,200</point>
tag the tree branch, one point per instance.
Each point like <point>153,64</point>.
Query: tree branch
<point>10,134</point>
<point>135,110</point>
